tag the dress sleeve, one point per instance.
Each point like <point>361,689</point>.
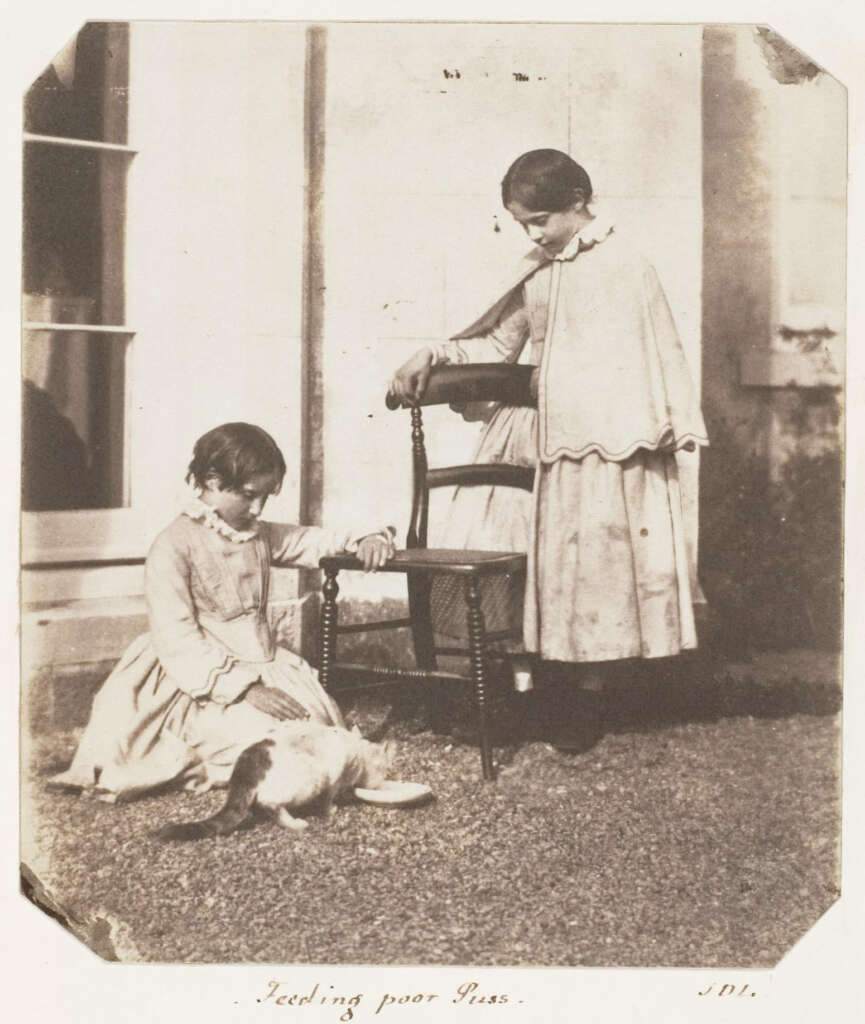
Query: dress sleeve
<point>197,664</point>
<point>303,546</point>
<point>503,343</point>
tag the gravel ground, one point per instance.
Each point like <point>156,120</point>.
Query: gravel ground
<point>702,831</point>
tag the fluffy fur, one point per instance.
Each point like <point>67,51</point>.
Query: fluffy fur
<point>302,763</point>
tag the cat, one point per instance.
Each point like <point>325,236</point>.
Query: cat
<point>301,763</point>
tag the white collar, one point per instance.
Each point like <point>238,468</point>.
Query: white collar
<point>598,228</point>
<point>203,513</point>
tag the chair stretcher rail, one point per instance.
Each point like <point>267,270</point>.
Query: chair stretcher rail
<point>340,669</point>
<point>366,627</point>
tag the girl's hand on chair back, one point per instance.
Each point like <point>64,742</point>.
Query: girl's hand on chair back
<point>410,380</point>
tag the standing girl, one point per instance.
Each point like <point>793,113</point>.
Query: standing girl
<point>208,679</point>
<point>608,569</point>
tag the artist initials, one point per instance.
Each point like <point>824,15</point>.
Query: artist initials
<point>728,990</point>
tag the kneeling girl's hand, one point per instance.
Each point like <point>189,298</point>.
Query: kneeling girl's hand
<point>375,550</point>
<point>273,701</point>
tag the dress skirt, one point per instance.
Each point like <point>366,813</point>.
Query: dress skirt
<point>608,568</point>
<point>495,518</point>
<point>145,733</point>
<point>607,560</point>
<point>488,519</point>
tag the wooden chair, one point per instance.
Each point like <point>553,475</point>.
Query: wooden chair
<point>423,565</point>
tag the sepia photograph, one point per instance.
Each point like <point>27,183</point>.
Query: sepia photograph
<point>432,473</point>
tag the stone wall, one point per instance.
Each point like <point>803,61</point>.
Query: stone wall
<point>771,495</point>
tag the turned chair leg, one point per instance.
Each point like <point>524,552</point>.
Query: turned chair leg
<point>327,649</point>
<point>477,655</point>
<point>419,601</point>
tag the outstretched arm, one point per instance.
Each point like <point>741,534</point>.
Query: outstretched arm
<point>501,344</point>
<point>304,546</point>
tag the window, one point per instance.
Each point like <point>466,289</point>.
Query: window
<point>75,342</point>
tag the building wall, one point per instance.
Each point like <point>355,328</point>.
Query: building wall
<point>215,244</point>
<point>773,326</point>
<point>422,122</point>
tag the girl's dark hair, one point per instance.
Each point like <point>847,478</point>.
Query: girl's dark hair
<point>545,179</point>
<point>235,452</point>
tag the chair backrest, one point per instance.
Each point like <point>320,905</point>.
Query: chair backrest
<point>476,382</point>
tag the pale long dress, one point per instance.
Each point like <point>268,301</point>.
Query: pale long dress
<point>172,711</point>
<point>609,575</point>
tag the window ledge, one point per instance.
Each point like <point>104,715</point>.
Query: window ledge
<point>79,631</point>
<point>41,613</point>
<point>776,369</point>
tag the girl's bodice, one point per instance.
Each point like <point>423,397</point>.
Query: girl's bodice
<point>228,579</point>
<point>228,584</point>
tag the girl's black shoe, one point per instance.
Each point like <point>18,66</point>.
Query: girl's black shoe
<point>581,724</point>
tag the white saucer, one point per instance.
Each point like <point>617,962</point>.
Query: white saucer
<point>394,793</point>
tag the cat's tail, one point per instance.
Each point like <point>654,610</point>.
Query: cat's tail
<point>248,772</point>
